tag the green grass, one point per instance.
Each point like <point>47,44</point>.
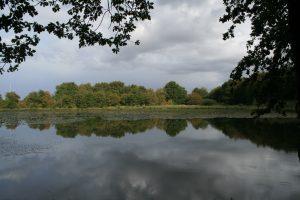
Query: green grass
<point>130,113</point>
<point>131,108</point>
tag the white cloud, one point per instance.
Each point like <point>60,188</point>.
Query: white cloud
<point>182,42</point>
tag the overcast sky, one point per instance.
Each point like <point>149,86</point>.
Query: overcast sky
<point>183,42</point>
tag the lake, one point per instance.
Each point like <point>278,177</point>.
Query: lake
<point>94,158</point>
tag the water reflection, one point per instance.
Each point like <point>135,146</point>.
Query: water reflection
<point>142,159</point>
<point>279,134</point>
<point>276,133</point>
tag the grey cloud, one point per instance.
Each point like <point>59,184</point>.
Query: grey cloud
<point>182,42</point>
<point>178,2</point>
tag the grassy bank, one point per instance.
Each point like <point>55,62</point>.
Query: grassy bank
<point>128,113</point>
<point>133,108</point>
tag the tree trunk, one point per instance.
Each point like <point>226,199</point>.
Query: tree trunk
<point>294,34</point>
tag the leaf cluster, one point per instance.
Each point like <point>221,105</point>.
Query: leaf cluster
<point>268,49</point>
<point>84,21</point>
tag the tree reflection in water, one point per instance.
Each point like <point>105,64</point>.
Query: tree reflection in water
<point>207,158</point>
<point>119,128</point>
<point>299,153</point>
<point>279,134</point>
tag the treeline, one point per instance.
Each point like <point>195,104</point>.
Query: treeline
<point>256,91</point>
<point>71,95</point>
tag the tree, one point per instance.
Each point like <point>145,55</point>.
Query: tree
<point>160,97</point>
<point>1,101</point>
<point>216,94</point>
<point>40,99</point>
<point>85,21</point>
<point>201,91</point>
<point>150,97</point>
<point>135,99</point>
<point>106,98</point>
<point>175,92</point>
<point>85,99</point>
<point>66,101</point>
<point>11,100</point>
<point>101,87</point>
<point>65,94</point>
<point>117,87</point>
<point>85,88</point>
<point>234,92</point>
<point>273,48</point>
<point>194,99</point>
<point>244,92</point>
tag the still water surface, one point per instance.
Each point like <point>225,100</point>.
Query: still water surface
<point>151,159</point>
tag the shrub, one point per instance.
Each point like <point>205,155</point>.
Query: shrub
<point>40,99</point>
<point>209,102</point>
<point>201,91</point>
<point>11,100</point>
<point>194,99</point>
<point>104,99</point>
<point>1,102</point>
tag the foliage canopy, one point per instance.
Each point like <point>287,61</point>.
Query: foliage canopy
<point>11,100</point>
<point>272,49</point>
<point>175,92</point>
<point>83,20</point>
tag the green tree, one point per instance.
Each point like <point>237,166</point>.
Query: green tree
<point>101,87</point>
<point>215,93</point>
<point>175,92</point>
<point>65,101</point>
<point>151,97</point>
<point>234,92</point>
<point>113,99</point>
<point>160,97</point>
<point>134,99</point>
<point>272,49</point>
<point>201,91</point>
<point>107,98</point>
<point>223,93</point>
<point>40,99</point>
<point>247,92</point>
<point>117,87</point>
<point>11,100</point>
<point>69,89</point>
<point>65,94</point>
<point>136,89</point>
<point>135,95</point>
<point>85,99</point>
<point>194,99</point>
<point>1,102</point>
<point>85,88</point>
<point>83,21</point>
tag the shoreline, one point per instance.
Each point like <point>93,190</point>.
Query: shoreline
<point>133,113</point>
<point>132,108</point>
